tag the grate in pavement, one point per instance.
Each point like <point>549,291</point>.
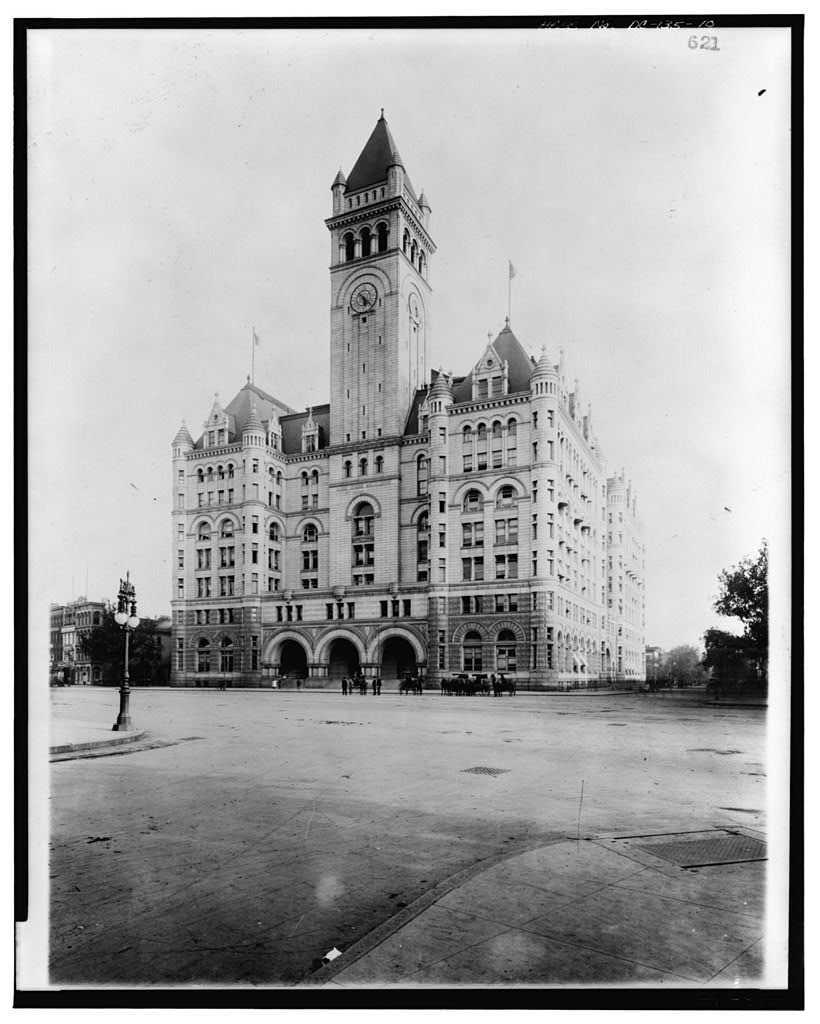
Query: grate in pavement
<point>484,770</point>
<point>701,853</point>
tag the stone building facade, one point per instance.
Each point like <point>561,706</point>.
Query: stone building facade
<point>66,660</point>
<point>423,522</point>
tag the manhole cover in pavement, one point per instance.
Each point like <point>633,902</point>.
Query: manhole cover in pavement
<point>701,853</point>
<point>483,770</point>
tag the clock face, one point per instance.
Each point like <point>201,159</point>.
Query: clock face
<point>363,298</point>
<point>415,311</point>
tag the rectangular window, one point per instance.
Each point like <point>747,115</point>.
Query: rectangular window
<point>383,609</point>
<point>180,559</point>
<point>467,569</point>
<point>468,464</point>
<point>442,568</point>
<point>180,654</point>
<point>254,583</point>
<point>442,433</point>
<point>254,554</point>
<point>351,610</point>
<point>441,657</point>
<point>181,500</point>
<point>181,477</point>
<point>406,606</point>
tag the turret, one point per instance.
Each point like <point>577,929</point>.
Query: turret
<point>395,175</point>
<point>253,433</point>
<point>338,190</point>
<point>182,443</point>
<point>424,206</point>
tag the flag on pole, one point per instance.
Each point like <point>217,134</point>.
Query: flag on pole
<point>512,270</point>
<point>255,337</point>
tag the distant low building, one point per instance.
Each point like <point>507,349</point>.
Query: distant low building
<point>655,663</point>
<point>67,664</point>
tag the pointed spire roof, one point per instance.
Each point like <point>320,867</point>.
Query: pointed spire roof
<point>253,422</point>
<point>183,436</point>
<point>379,153</point>
<point>545,365</point>
<point>442,388</point>
<point>423,201</point>
<point>340,179</point>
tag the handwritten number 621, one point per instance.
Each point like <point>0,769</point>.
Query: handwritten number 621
<point>706,43</point>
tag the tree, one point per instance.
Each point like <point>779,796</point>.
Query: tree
<point>744,594</point>
<point>105,645</point>
<point>727,655</point>
<point>683,667</point>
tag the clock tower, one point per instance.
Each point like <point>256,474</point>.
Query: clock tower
<point>379,294</point>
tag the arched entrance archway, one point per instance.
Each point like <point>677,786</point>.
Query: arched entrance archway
<point>397,657</point>
<point>343,659</point>
<point>293,660</point>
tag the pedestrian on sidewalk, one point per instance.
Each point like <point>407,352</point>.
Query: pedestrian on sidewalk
<point>298,682</point>
<point>378,686</point>
<point>344,686</point>
<point>374,686</point>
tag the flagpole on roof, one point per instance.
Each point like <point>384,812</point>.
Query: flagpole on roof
<point>253,353</point>
<point>510,276</point>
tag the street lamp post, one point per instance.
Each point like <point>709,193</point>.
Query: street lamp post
<point>126,618</point>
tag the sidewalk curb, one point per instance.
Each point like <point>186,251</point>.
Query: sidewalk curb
<point>374,938</point>
<point>116,741</point>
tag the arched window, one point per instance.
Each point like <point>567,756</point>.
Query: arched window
<point>471,651</point>
<point>203,656</point>
<point>481,446</point>
<point>362,467</point>
<point>473,501</point>
<point>423,547</point>
<point>200,476</point>
<point>350,246</point>
<point>225,655</point>
<point>226,529</point>
<point>379,464</point>
<point>421,263</point>
<point>497,445</point>
<point>220,472</point>
<point>230,471</point>
<point>366,238</point>
<point>505,653</point>
<point>273,532</point>
<point>348,468</point>
<point>97,618</point>
<point>467,435</point>
<point>405,241</point>
<point>363,545</point>
<point>203,532</point>
<point>421,474</point>
<point>512,442</point>
<point>382,232</point>
<point>413,251</point>
<point>210,472</point>
<point>279,478</point>
<point>310,534</point>
<point>506,495</point>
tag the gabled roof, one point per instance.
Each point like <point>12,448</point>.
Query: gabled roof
<point>292,429</point>
<point>519,367</point>
<point>239,410</point>
<point>374,159</point>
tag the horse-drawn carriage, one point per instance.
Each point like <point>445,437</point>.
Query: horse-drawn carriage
<point>465,685</point>
<point>410,682</point>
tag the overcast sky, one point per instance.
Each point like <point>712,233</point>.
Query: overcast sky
<point>178,186</point>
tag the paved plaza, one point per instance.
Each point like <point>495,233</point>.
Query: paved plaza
<point>247,833</point>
